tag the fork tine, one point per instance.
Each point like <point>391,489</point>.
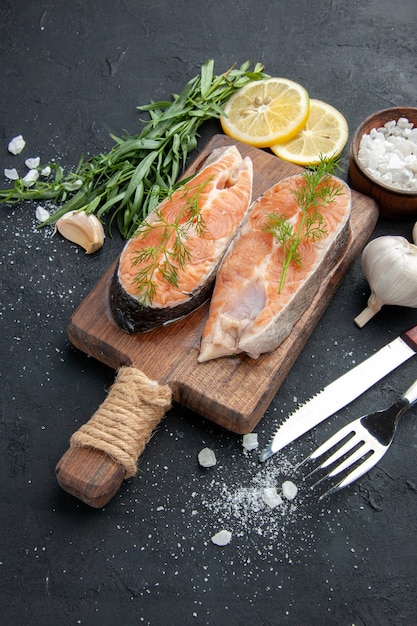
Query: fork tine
<point>331,460</point>
<point>353,441</point>
<point>356,455</point>
<point>350,445</point>
<point>339,436</point>
<point>332,441</point>
<point>364,467</point>
<point>324,447</point>
<point>355,446</point>
<point>363,443</point>
<point>359,471</point>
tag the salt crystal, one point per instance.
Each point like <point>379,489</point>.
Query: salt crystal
<point>222,538</point>
<point>390,153</point>
<point>30,178</point>
<point>387,178</point>
<point>11,174</point>
<point>395,162</point>
<point>376,135</point>
<point>250,441</point>
<point>16,145</point>
<point>410,160</point>
<point>289,490</point>
<point>404,123</point>
<point>32,163</point>
<point>41,213</point>
<point>271,497</point>
<point>373,172</point>
<point>207,458</point>
<point>405,176</point>
<point>379,149</point>
<point>373,161</point>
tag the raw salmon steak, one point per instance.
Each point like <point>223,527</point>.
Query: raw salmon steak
<point>250,312</point>
<point>168,268</point>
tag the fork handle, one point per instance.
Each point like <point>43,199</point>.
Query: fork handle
<point>411,394</point>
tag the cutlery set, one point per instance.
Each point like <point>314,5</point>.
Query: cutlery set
<point>357,447</point>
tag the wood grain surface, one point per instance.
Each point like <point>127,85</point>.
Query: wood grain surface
<point>233,392</point>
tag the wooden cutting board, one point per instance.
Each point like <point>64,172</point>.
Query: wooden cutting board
<point>233,392</point>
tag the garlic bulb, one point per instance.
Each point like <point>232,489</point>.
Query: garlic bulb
<point>81,228</point>
<point>390,267</point>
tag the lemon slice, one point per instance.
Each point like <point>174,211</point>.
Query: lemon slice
<point>267,111</point>
<point>324,136</point>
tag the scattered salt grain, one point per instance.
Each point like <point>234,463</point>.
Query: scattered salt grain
<point>32,163</point>
<point>289,490</point>
<point>207,458</point>
<point>30,178</point>
<point>222,538</point>
<point>16,145</point>
<point>271,497</point>
<point>11,174</point>
<point>389,154</point>
<point>41,213</point>
<point>250,441</point>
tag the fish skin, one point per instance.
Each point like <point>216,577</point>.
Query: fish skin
<point>229,195</point>
<point>246,288</point>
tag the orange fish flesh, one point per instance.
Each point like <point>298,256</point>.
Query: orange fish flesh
<point>168,268</point>
<point>249,311</point>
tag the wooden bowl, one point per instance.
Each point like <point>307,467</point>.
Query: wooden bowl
<point>393,203</point>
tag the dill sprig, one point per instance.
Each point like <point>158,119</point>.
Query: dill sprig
<point>130,180</point>
<point>171,254</point>
<point>319,189</point>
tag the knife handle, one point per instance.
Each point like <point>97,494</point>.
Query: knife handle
<point>410,337</point>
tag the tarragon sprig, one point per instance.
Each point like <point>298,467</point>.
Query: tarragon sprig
<point>319,189</point>
<point>130,180</point>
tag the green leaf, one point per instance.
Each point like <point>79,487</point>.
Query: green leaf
<point>155,155</point>
<point>110,203</point>
<point>92,206</point>
<point>206,77</point>
<point>140,172</point>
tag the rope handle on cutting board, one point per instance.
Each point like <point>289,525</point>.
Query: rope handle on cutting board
<point>105,450</point>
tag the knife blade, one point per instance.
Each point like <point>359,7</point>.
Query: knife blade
<point>342,391</point>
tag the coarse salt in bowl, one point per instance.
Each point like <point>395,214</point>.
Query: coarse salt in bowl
<point>383,161</point>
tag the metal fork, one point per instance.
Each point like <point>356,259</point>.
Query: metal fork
<point>364,442</point>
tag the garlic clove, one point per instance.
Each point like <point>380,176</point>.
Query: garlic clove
<point>81,228</point>
<point>371,309</point>
<point>414,233</point>
<point>389,264</point>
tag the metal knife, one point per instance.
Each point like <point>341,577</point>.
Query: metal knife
<point>342,391</point>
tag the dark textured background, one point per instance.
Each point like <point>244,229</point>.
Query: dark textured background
<point>70,74</point>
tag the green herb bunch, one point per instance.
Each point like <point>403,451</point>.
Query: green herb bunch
<point>130,180</point>
<point>319,189</point>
